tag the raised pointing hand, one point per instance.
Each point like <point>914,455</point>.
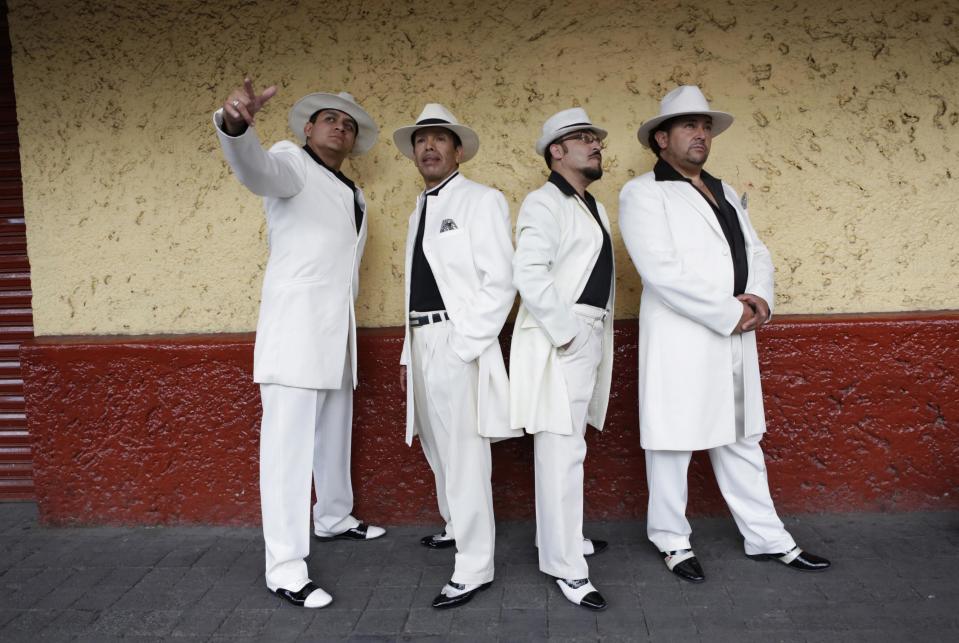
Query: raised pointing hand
<point>242,105</point>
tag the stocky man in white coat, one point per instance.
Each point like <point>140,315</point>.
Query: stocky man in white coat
<point>707,287</point>
<point>561,356</point>
<point>305,354</point>
<point>458,293</point>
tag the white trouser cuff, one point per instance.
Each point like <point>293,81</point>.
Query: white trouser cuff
<point>347,523</point>
<point>472,579</point>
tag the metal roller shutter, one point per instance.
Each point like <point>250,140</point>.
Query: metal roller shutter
<point>16,317</point>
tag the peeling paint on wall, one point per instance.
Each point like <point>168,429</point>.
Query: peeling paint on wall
<point>846,139</point>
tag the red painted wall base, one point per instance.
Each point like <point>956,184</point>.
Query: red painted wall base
<point>862,414</point>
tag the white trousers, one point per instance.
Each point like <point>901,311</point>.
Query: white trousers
<point>559,462</point>
<point>445,399</point>
<point>740,470</point>
<point>305,433</point>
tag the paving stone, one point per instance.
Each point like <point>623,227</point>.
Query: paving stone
<point>359,577</point>
<point>400,575</point>
<point>381,621</point>
<point>105,584</point>
<point>199,623</point>
<point>185,555</point>
<point>521,596</point>
<point>390,598</point>
<point>618,621</point>
<point>427,620</point>
<point>676,620</point>
<point>287,624</point>
<point>349,597</point>
<point>522,623</point>
<point>470,620</point>
<point>124,577</point>
<point>329,623</point>
<point>226,597</point>
<point>117,622</point>
<point>29,622</point>
<point>71,622</point>
<point>572,624</point>
<point>243,623</point>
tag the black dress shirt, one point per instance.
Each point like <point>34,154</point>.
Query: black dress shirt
<point>596,291</point>
<point>725,215</point>
<point>357,209</point>
<point>424,293</point>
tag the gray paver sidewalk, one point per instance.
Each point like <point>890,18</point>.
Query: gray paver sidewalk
<point>894,579</point>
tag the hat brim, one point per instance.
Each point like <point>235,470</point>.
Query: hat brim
<point>366,133</point>
<point>545,141</point>
<point>721,122</point>
<point>403,138</point>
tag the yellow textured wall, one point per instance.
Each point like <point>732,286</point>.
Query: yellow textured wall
<point>846,139</point>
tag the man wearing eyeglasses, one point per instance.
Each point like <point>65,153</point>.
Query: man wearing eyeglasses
<point>562,351</point>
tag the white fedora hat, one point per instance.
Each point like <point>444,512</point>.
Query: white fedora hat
<point>683,101</point>
<point>366,130</point>
<point>435,115</point>
<point>564,122</point>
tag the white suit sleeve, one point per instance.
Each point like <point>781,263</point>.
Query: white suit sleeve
<point>492,256</point>
<point>646,233</point>
<point>279,172</point>
<point>537,241</point>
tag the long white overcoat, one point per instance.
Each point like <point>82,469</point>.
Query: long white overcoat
<point>471,264</point>
<point>307,319</point>
<point>688,313</point>
<point>557,245</point>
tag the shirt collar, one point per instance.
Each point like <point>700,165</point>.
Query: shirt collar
<point>663,171</point>
<point>342,177</point>
<point>564,186</point>
<point>560,181</point>
<point>433,191</point>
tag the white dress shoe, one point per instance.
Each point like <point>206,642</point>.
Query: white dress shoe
<point>310,595</point>
<point>581,592</point>
<point>455,594</point>
<point>362,531</point>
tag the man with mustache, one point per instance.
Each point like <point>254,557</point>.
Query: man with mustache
<point>562,352</point>
<point>458,293</point>
<point>707,287</point>
<point>305,354</point>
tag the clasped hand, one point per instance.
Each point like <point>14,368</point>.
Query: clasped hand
<point>755,313</point>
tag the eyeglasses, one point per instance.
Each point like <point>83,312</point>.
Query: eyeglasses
<point>585,136</point>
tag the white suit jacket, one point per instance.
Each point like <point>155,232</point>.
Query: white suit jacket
<point>471,265</point>
<point>687,314</point>
<point>307,320</point>
<point>557,245</point>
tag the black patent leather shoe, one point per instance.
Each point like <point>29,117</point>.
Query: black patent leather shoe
<point>456,594</point>
<point>362,531</point>
<point>581,592</point>
<point>593,601</point>
<point>684,564</point>
<point>310,595</point>
<point>438,541</point>
<point>797,559</point>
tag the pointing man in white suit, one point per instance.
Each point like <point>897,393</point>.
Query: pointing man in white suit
<point>707,287</point>
<point>561,357</point>
<point>305,353</point>
<point>458,293</point>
